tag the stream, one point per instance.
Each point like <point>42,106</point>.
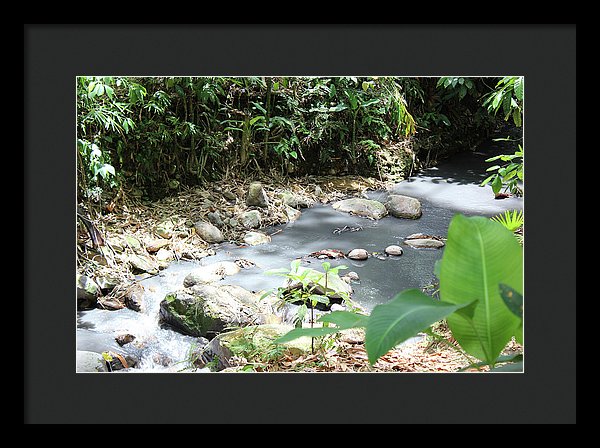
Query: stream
<point>449,188</point>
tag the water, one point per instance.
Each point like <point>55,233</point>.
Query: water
<point>450,188</point>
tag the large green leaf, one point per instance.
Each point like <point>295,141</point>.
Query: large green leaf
<point>310,332</point>
<point>479,255</point>
<point>404,316</point>
<point>343,320</point>
<point>518,87</point>
<point>512,299</point>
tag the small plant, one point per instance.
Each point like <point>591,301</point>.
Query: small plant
<point>303,283</point>
<point>513,220</point>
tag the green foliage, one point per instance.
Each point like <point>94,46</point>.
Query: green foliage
<point>308,280</point>
<point>457,86</point>
<point>481,275</point>
<point>158,133</point>
<point>508,175</point>
<point>342,320</point>
<point>507,97</point>
<point>479,255</point>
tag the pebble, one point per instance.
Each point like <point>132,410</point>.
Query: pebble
<point>358,254</point>
<point>393,250</point>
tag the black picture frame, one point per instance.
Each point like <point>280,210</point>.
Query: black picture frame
<point>55,54</point>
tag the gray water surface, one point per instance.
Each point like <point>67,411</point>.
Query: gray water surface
<point>450,188</point>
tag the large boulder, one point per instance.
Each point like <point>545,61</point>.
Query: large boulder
<point>211,273</point>
<point>87,292</point>
<point>207,309</point>
<point>361,207</point>
<point>402,206</point>
<point>257,196</point>
<point>208,232</point>
<point>248,343</point>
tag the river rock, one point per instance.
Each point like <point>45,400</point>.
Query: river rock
<point>402,206</point>
<point>207,309</point>
<point>107,284</point>
<point>215,219</point>
<point>256,238</point>
<point>424,242</point>
<point>125,338</point>
<point>87,292</point>
<point>250,219</point>
<point>116,244</point>
<point>361,207</point>
<point>208,232</point>
<point>260,338</point>
<point>110,302</point>
<point>393,250</point>
<point>164,255</point>
<point>229,195</point>
<point>166,228</point>
<point>257,196</point>
<point>351,277</point>
<point>155,245</point>
<point>294,201</point>
<point>213,272</point>
<point>133,297</point>
<point>122,362</point>
<point>89,362</point>
<point>292,213</point>
<point>142,263</point>
<point>358,254</point>
<point>134,244</point>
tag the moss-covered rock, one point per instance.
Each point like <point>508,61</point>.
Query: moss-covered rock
<point>207,309</point>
